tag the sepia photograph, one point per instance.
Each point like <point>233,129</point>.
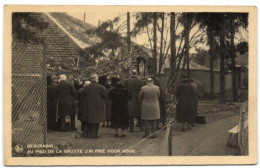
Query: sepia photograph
<point>125,83</point>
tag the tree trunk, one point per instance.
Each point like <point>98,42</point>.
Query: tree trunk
<point>232,54</point>
<point>211,53</point>
<point>161,47</point>
<point>154,42</point>
<point>173,41</point>
<point>128,33</point>
<point>187,33</point>
<point>222,65</point>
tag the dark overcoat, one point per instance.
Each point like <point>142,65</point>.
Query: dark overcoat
<point>66,94</point>
<point>95,96</point>
<point>108,104</point>
<point>162,100</point>
<point>52,103</point>
<point>81,105</point>
<point>186,98</point>
<point>134,86</point>
<point>119,116</point>
<point>196,99</point>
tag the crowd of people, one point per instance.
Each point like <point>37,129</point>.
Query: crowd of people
<point>115,103</point>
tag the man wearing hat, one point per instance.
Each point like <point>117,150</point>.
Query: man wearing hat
<point>66,94</point>
<point>134,104</point>
<point>150,106</point>
<point>94,113</point>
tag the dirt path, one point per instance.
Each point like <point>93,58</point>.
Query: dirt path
<point>208,139</point>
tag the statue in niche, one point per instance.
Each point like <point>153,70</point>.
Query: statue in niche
<point>141,67</point>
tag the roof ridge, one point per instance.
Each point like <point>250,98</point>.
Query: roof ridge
<point>80,43</point>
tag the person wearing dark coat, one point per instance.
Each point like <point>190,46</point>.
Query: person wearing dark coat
<point>66,94</point>
<point>196,99</point>
<point>81,105</point>
<point>185,97</point>
<point>119,118</point>
<point>162,102</point>
<point>95,96</point>
<point>51,104</point>
<point>134,86</point>
<point>108,87</point>
<point>106,82</point>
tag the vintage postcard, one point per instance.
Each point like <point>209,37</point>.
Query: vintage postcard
<point>130,85</point>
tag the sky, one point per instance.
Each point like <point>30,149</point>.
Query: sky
<point>94,18</point>
<point>142,39</point>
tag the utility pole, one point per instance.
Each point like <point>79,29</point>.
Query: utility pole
<point>84,17</point>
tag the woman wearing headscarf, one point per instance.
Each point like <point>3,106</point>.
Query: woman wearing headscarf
<point>119,112</point>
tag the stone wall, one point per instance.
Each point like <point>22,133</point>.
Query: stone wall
<point>204,77</point>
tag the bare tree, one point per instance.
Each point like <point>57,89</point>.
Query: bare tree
<point>232,55</point>
<point>161,47</point>
<point>155,42</point>
<point>173,40</point>
<point>222,61</point>
<point>187,28</point>
<point>128,33</point>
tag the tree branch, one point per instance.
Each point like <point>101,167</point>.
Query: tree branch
<point>122,24</point>
<point>182,37</point>
<point>149,38</point>
<point>197,35</point>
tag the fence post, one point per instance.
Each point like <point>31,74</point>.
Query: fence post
<point>170,142</point>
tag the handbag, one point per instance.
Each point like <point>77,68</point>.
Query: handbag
<point>200,119</point>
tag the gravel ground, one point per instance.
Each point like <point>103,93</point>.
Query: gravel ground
<point>220,118</point>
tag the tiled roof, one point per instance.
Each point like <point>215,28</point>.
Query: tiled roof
<point>75,29</point>
<point>27,58</point>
